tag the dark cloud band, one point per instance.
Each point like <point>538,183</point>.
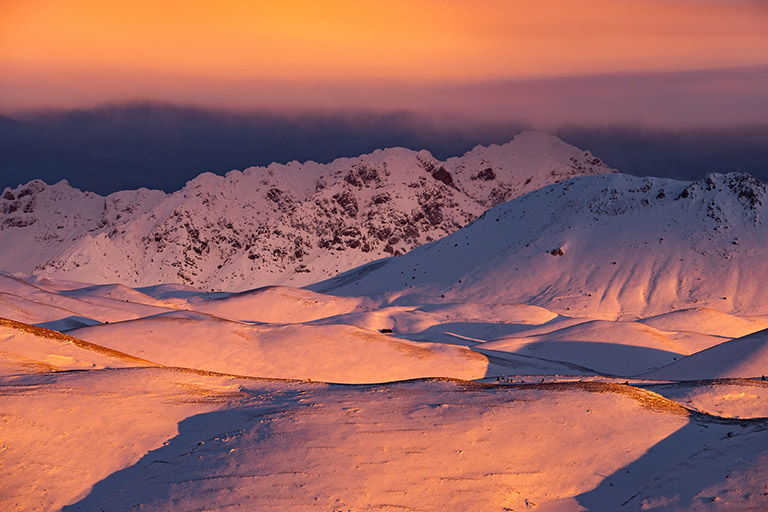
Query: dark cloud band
<point>163,146</point>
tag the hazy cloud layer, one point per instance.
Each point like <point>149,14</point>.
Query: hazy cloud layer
<point>685,99</point>
<point>162,146</point>
<point>382,53</point>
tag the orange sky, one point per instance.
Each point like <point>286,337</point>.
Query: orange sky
<point>70,52</point>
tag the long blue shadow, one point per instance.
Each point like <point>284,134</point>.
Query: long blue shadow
<point>203,442</point>
<point>611,359</point>
<point>702,465</point>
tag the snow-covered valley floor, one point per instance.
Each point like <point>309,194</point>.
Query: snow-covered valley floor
<point>166,398</point>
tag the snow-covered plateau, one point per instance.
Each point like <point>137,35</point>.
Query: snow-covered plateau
<point>518,328</point>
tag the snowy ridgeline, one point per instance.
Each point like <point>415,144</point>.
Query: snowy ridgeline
<point>610,247</point>
<point>600,343</point>
<point>283,224</point>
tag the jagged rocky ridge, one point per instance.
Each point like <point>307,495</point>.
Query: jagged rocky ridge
<point>292,224</point>
<point>611,247</point>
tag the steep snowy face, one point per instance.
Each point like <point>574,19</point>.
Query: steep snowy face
<point>281,224</point>
<point>38,221</point>
<point>610,246</point>
<point>495,174</point>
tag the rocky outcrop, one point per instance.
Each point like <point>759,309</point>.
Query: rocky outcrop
<point>294,223</point>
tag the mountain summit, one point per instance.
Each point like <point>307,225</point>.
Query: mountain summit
<point>283,224</point>
<point>610,246</point>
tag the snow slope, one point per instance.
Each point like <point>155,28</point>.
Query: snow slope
<point>63,432</point>
<point>702,320</point>
<point>71,440</point>
<point>742,357</point>
<point>619,348</point>
<point>204,440</point>
<point>62,309</point>
<point>728,398</point>
<point>605,247</point>
<point>283,332</point>
<point>282,224</point>
<point>532,324</point>
<point>26,348</point>
<point>332,353</point>
<point>276,304</point>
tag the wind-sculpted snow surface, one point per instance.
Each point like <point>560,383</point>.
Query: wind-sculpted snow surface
<point>294,223</point>
<point>170,410</point>
<point>219,443</point>
<point>610,246</point>
<point>332,353</point>
<point>742,357</point>
<point>541,357</point>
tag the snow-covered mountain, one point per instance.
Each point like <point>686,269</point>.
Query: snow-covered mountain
<point>581,311</point>
<point>610,246</point>
<point>290,224</point>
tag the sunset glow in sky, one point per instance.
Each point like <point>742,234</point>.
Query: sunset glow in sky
<point>403,39</point>
<point>274,54</point>
<point>160,90</point>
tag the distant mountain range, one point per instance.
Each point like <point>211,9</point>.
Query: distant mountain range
<point>282,224</point>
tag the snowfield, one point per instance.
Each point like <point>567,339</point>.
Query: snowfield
<point>596,344</point>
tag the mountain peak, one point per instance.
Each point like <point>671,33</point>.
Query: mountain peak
<point>608,246</point>
<point>291,223</point>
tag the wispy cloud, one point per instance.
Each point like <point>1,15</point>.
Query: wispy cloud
<point>705,98</point>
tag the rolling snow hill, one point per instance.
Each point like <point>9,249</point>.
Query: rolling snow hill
<point>283,224</point>
<point>328,353</point>
<point>605,247</point>
<point>745,357</point>
<point>540,357</point>
<point>547,422</point>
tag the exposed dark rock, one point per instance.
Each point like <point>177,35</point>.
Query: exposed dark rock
<point>444,176</point>
<point>438,172</point>
<point>352,179</point>
<point>486,174</point>
<point>347,202</point>
<point>362,175</point>
<point>381,198</point>
<point>19,222</point>
<point>433,213</point>
<point>30,206</point>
